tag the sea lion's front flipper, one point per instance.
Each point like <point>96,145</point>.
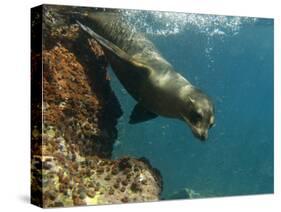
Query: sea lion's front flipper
<point>140,114</point>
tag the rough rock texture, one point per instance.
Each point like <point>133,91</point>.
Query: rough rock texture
<point>71,155</point>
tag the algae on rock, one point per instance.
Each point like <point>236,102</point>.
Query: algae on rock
<point>71,162</point>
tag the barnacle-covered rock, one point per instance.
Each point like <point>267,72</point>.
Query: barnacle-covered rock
<point>71,154</point>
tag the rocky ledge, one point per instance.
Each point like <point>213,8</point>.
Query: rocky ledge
<point>71,148</point>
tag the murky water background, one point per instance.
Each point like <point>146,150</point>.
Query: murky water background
<point>231,59</point>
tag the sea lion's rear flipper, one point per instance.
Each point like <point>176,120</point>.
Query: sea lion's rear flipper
<point>115,50</point>
<point>140,114</point>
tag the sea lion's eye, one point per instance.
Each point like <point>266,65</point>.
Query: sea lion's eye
<point>195,117</point>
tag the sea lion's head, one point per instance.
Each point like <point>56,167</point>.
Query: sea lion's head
<point>198,112</point>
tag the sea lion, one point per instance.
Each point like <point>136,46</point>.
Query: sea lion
<point>147,76</point>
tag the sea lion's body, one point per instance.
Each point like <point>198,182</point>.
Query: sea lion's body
<point>145,74</point>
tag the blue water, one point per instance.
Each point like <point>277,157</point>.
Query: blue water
<point>231,59</point>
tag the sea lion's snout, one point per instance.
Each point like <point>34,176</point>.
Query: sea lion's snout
<point>198,113</point>
<point>199,127</point>
<point>202,134</point>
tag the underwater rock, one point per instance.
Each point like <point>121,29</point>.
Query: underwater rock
<point>71,153</point>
